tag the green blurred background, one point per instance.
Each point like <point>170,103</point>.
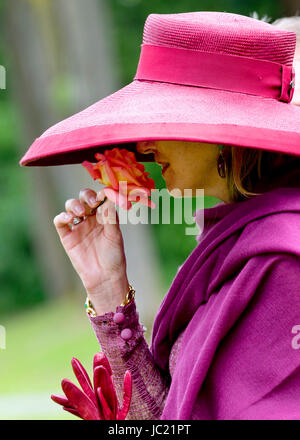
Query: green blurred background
<point>61,56</point>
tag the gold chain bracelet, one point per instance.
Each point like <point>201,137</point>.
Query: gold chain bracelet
<point>89,308</point>
<point>128,298</point>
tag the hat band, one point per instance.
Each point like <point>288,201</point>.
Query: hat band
<point>216,71</point>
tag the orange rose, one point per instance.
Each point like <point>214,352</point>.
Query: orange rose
<point>126,179</point>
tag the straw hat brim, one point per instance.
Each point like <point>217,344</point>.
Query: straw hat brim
<point>147,110</point>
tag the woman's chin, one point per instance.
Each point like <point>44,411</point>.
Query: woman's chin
<point>173,187</point>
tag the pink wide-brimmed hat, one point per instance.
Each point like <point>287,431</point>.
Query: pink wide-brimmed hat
<point>202,76</point>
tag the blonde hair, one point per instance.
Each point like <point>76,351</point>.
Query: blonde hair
<point>249,169</point>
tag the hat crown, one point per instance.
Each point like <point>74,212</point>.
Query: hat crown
<point>221,32</point>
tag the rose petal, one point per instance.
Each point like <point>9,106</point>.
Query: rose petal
<point>140,195</point>
<point>126,175</point>
<point>95,173</point>
<point>117,162</point>
<point>105,178</point>
<point>99,156</point>
<point>111,177</point>
<point>138,192</point>
<point>132,186</point>
<point>141,167</point>
<point>117,198</point>
<point>150,183</point>
<point>151,204</point>
<point>139,174</point>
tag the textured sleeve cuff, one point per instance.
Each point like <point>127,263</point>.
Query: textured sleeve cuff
<point>121,338</point>
<point>122,327</point>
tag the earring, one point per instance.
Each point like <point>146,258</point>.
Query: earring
<point>221,163</point>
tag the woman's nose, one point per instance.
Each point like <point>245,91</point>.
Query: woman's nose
<point>145,147</point>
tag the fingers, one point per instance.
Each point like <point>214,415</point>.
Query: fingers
<point>100,195</point>
<point>88,197</point>
<point>106,213</point>
<point>85,205</point>
<point>74,207</point>
<point>61,223</point>
<point>107,216</point>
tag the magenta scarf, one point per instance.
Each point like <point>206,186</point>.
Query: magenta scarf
<point>238,298</point>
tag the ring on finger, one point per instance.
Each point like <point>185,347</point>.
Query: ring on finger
<point>78,220</point>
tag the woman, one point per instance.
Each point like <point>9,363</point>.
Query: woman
<point>211,103</point>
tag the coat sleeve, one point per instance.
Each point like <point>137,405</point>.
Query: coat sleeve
<point>150,386</point>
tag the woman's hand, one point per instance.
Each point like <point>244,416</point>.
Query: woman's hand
<point>96,249</point>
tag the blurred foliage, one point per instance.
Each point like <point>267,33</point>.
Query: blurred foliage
<point>52,334</point>
<point>130,15</point>
<point>20,281</point>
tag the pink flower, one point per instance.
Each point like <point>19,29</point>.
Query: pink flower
<point>99,402</point>
<point>126,179</point>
